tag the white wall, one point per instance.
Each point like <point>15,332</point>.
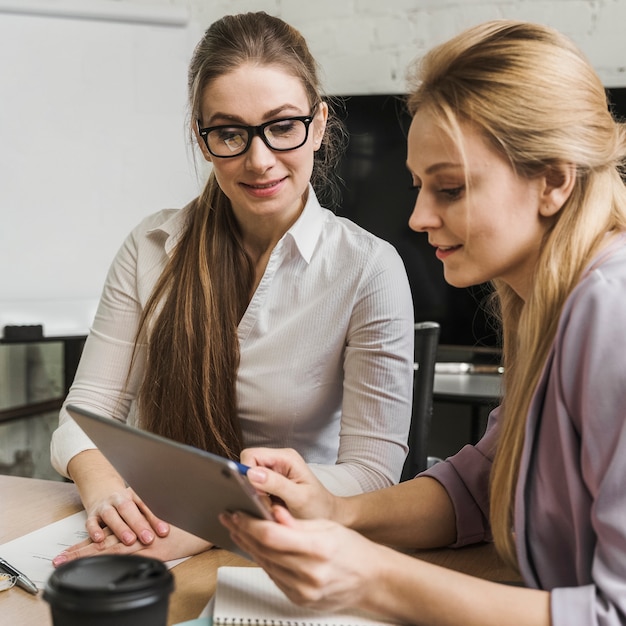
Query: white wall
<point>92,121</point>
<point>364,46</point>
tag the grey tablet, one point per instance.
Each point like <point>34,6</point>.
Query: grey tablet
<point>182,485</point>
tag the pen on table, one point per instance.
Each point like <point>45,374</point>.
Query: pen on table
<point>467,368</point>
<point>22,580</point>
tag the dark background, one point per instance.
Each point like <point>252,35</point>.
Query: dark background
<point>377,196</point>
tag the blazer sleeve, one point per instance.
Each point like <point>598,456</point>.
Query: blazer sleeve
<point>594,339</point>
<point>465,476</point>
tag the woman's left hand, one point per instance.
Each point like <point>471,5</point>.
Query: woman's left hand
<point>316,563</point>
<point>177,544</point>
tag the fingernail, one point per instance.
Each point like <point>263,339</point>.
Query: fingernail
<point>162,529</point>
<point>128,538</point>
<point>257,474</point>
<point>59,560</point>
<point>147,537</point>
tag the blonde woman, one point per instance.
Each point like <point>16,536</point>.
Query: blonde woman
<point>516,160</point>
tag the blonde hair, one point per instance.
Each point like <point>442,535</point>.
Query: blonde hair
<point>540,103</point>
<point>188,391</point>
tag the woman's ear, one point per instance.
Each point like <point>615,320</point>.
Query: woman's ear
<point>205,152</point>
<point>559,182</point>
<point>319,124</point>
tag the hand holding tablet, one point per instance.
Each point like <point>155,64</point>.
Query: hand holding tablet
<point>183,485</point>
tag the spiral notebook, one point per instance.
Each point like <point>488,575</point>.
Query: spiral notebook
<point>247,596</point>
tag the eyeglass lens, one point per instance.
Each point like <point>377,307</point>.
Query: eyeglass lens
<point>285,134</point>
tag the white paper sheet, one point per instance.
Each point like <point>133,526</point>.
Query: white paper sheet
<point>32,554</point>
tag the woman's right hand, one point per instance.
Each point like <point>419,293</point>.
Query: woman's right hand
<point>317,563</point>
<point>110,504</point>
<point>125,515</point>
<point>285,477</point>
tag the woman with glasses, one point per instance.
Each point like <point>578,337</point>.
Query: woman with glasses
<point>253,316</point>
<point>517,163</point>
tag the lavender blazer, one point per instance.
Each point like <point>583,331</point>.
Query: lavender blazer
<point>570,517</point>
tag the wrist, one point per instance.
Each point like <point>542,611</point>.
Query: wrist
<point>343,509</point>
<point>93,476</point>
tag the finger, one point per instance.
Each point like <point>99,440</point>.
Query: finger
<point>110,545</point>
<point>282,516</point>
<point>290,575</point>
<point>285,461</point>
<point>96,532</point>
<point>283,565</point>
<point>112,517</point>
<point>160,527</point>
<point>85,542</point>
<point>266,540</point>
<point>293,494</point>
<point>240,536</point>
<point>128,522</point>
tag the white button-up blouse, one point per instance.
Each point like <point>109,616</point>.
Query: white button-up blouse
<point>326,347</point>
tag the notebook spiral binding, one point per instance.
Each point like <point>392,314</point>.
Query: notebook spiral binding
<point>265,621</point>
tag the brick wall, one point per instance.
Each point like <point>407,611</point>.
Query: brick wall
<point>364,46</point>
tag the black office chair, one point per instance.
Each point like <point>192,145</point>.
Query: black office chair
<point>426,343</point>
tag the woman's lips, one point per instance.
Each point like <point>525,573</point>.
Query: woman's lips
<point>443,252</point>
<point>262,190</point>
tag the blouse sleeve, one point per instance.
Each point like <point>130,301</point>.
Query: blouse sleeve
<point>378,381</point>
<point>594,390</point>
<point>465,477</point>
<point>100,381</point>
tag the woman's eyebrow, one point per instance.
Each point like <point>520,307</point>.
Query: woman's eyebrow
<point>283,109</point>
<point>436,167</point>
<point>443,165</point>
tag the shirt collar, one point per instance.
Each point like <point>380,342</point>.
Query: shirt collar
<point>307,228</point>
<point>173,227</point>
<point>304,232</point>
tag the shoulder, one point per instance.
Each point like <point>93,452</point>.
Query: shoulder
<point>162,228</point>
<point>601,291</point>
<point>320,231</point>
<point>165,220</point>
<point>589,383</point>
<point>354,240</point>
<point>591,338</point>
<point>347,254</point>
<point>154,236</point>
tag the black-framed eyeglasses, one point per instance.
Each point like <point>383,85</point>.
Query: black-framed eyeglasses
<point>281,135</point>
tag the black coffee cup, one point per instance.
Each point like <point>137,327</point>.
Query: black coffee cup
<point>123,590</point>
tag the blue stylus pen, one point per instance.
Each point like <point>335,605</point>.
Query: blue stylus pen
<point>243,469</point>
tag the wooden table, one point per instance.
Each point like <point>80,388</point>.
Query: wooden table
<point>27,504</point>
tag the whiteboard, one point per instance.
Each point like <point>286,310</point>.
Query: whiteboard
<point>92,139</point>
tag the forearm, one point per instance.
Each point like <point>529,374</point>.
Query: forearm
<point>416,592</point>
<point>323,565</point>
<point>414,514</point>
<point>337,478</point>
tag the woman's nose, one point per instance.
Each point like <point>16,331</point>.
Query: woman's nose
<point>423,218</point>
<point>259,157</point>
